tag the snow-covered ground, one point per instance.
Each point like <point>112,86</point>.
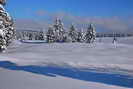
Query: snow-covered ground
<point>40,65</point>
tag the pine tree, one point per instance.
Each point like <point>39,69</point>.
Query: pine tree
<point>41,35</point>
<point>90,35</point>
<point>73,34</point>
<point>30,36</point>
<point>2,40</point>
<point>80,36</point>
<point>59,31</point>
<point>7,31</point>
<point>50,35</point>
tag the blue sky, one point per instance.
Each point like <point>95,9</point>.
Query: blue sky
<point>107,15</point>
<point>100,8</point>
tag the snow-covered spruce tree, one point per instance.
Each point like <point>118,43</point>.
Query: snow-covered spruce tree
<point>73,35</point>
<point>41,35</point>
<point>7,31</point>
<point>80,36</point>
<point>50,35</point>
<point>30,36</point>
<point>90,35</point>
<point>59,31</point>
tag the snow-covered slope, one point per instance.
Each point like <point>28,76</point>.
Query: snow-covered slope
<point>68,65</point>
<point>23,80</point>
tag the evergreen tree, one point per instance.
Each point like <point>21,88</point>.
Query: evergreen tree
<point>73,34</point>
<point>30,36</point>
<point>80,36</point>
<point>90,35</point>
<point>50,35</point>
<point>59,31</point>
<point>2,39</point>
<point>7,31</point>
<point>41,35</point>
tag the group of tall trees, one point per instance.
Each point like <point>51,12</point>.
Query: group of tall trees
<point>57,33</point>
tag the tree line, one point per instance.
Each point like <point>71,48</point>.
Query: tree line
<point>57,33</point>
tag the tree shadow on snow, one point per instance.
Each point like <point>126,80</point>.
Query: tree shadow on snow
<point>106,78</point>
